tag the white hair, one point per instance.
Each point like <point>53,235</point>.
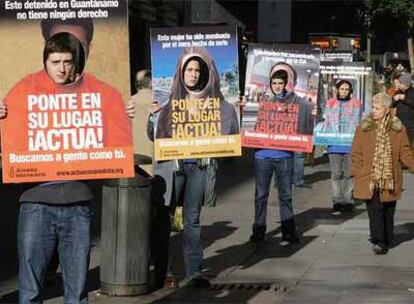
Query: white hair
<point>382,99</point>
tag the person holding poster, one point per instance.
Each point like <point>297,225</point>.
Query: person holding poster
<point>281,115</point>
<point>196,121</point>
<point>342,114</point>
<point>175,182</point>
<point>269,161</point>
<point>196,107</point>
<point>57,214</point>
<point>379,149</point>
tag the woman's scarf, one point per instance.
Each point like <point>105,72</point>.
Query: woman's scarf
<point>382,172</point>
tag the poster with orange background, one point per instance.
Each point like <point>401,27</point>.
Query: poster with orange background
<point>72,130</point>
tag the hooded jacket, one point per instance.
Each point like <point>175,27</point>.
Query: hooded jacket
<point>305,117</point>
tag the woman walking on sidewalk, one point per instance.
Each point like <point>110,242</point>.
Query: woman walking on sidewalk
<point>380,146</point>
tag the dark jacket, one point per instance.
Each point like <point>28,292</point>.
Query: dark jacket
<point>305,117</point>
<point>405,109</point>
<point>59,193</point>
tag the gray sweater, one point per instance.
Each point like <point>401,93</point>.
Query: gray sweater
<point>57,193</point>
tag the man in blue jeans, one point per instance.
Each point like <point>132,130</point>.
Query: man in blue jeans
<point>267,162</point>
<point>56,214</point>
<point>299,170</point>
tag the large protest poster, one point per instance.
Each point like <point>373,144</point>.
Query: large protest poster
<point>65,99</point>
<point>195,81</point>
<point>341,101</point>
<point>281,93</point>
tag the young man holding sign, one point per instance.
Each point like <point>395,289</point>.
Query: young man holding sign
<point>57,214</point>
<point>280,162</point>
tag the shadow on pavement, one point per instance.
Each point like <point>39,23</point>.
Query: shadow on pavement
<point>253,253</point>
<point>244,166</point>
<point>249,254</point>
<point>210,234</point>
<point>212,295</point>
<point>311,218</point>
<point>403,233</point>
<point>317,176</point>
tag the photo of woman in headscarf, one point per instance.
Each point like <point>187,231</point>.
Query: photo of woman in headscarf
<point>197,78</point>
<point>343,112</point>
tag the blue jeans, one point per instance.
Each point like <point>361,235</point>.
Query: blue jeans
<point>189,185</point>
<point>40,228</point>
<point>341,180</point>
<point>299,168</point>
<point>264,169</point>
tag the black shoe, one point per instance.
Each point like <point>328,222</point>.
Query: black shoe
<point>258,233</point>
<point>337,208</point>
<point>379,249</point>
<point>348,207</point>
<point>199,282</point>
<point>289,240</point>
<point>288,232</point>
<point>257,237</point>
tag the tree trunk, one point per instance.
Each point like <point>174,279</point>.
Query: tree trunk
<point>410,45</point>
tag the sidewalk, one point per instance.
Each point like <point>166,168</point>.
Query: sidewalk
<point>332,264</point>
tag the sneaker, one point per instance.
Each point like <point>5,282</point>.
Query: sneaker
<point>199,282</point>
<point>337,209</point>
<point>379,249</point>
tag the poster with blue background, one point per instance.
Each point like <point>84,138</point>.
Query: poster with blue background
<point>196,83</point>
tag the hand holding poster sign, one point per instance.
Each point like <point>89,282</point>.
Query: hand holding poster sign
<point>198,117</point>
<point>63,123</point>
<point>281,83</point>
